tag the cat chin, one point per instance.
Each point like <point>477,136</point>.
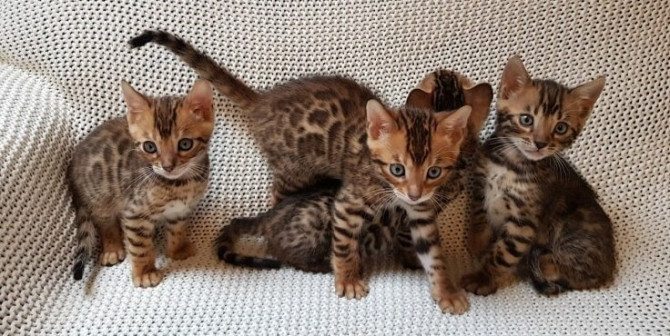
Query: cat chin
<point>533,155</point>
<point>173,175</point>
<point>403,198</point>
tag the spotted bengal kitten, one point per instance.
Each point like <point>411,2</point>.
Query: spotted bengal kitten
<point>132,174</point>
<point>533,214</point>
<point>298,230</point>
<point>332,127</point>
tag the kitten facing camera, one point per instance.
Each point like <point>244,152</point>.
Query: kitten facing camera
<point>133,174</point>
<point>533,215</point>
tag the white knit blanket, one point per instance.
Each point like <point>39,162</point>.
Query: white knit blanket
<point>61,63</point>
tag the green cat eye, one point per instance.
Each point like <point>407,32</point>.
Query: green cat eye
<point>397,170</point>
<point>185,144</point>
<point>526,119</point>
<point>561,128</point>
<point>149,147</point>
<point>434,172</point>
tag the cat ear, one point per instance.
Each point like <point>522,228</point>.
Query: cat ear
<point>514,78</point>
<point>380,120</point>
<point>452,125</point>
<point>587,94</point>
<point>479,98</point>
<point>420,99</point>
<point>137,103</point>
<point>200,98</point>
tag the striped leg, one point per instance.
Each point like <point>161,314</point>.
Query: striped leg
<point>479,230</point>
<point>349,217</point>
<point>178,245</point>
<point>501,260</point>
<point>426,238</point>
<point>139,234</point>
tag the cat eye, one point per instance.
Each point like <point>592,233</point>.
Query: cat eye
<point>526,119</point>
<point>185,144</point>
<point>149,147</point>
<point>434,172</point>
<point>397,170</point>
<point>561,128</point>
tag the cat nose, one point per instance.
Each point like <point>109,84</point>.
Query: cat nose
<point>413,196</point>
<point>168,168</point>
<point>540,144</point>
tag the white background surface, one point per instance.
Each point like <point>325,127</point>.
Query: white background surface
<point>60,68</point>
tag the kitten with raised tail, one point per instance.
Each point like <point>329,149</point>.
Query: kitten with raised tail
<point>340,130</point>
<point>298,230</point>
<point>133,174</point>
<point>533,215</point>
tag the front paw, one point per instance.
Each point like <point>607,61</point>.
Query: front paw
<point>111,258</point>
<point>480,283</point>
<point>455,303</point>
<point>148,278</point>
<point>351,288</point>
<point>182,251</point>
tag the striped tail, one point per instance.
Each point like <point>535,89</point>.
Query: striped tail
<point>85,242</point>
<point>230,233</point>
<point>205,66</point>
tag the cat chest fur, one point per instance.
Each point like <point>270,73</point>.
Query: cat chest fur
<point>168,202</point>
<point>507,194</point>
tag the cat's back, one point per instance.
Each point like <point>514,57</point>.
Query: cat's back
<point>342,98</point>
<point>93,172</point>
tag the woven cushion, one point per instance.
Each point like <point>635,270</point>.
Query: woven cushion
<point>60,68</point>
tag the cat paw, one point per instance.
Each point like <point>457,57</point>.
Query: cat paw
<point>147,279</point>
<point>455,303</point>
<point>181,252</point>
<point>479,283</point>
<point>353,288</point>
<point>111,258</point>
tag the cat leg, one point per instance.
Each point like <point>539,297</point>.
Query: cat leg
<point>405,249</point>
<point>139,237</point>
<point>178,245</point>
<point>426,238</point>
<point>112,241</point>
<point>349,215</point>
<point>501,259</point>
<point>576,263</point>
<point>479,231</point>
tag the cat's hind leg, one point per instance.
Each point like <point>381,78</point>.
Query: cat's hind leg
<point>111,236</point>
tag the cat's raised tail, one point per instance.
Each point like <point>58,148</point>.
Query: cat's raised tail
<point>241,94</point>
<point>230,233</point>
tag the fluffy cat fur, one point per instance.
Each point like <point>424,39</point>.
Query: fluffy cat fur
<point>340,130</point>
<point>533,215</point>
<point>132,174</point>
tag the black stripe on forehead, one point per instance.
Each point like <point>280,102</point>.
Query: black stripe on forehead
<point>551,96</point>
<point>417,123</point>
<point>448,93</point>
<point>165,115</point>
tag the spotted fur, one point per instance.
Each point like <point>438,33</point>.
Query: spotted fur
<point>533,215</point>
<point>341,131</point>
<point>121,191</point>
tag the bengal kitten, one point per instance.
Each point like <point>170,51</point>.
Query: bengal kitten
<point>298,230</point>
<point>533,214</point>
<point>340,130</point>
<point>132,174</point>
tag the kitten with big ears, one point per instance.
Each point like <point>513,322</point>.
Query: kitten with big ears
<point>133,174</point>
<point>533,215</point>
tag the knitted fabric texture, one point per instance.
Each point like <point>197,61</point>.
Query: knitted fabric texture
<point>61,64</point>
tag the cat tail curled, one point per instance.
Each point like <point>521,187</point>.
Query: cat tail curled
<point>86,240</point>
<point>205,66</point>
<point>230,233</point>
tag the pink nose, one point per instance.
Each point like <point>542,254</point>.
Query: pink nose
<point>414,197</point>
<point>168,168</point>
